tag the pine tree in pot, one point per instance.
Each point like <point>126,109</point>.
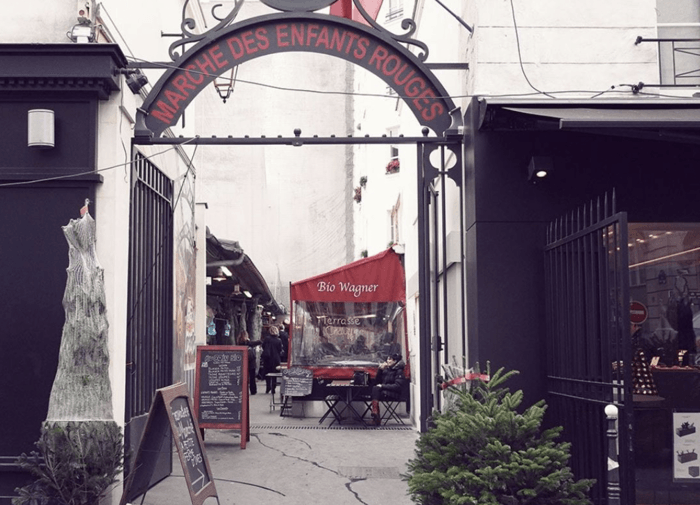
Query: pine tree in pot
<point>80,451</point>
<point>483,452</point>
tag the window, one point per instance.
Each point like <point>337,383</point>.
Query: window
<point>394,9</point>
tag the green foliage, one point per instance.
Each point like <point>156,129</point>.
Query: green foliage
<point>484,452</point>
<point>75,464</point>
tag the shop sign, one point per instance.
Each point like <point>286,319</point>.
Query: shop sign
<point>638,312</point>
<point>265,35</point>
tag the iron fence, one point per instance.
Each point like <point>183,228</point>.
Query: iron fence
<point>588,339</point>
<point>150,291</point>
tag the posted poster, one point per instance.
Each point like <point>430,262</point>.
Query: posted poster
<point>686,446</point>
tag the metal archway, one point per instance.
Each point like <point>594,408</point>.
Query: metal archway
<point>383,54</point>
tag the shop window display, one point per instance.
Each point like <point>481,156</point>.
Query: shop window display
<point>665,279</point>
<point>664,262</point>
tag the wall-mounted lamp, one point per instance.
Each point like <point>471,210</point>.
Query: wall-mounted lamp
<point>226,271</point>
<point>539,168</point>
<point>40,128</point>
<point>247,293</point>
<point>136,81</point>
<point>236,289</point>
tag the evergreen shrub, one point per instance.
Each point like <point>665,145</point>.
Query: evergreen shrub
<point>76,463</point>
<point>483,452</point>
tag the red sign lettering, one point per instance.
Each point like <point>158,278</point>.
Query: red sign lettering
<point>309,33</point>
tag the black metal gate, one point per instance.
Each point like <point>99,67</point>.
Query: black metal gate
<point>588,339</point>
<point>150,296</point>
<point>442,278</point>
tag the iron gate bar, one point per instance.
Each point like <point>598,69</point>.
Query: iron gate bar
<point>426,400</point>
<point>445,333</point>
<point>434,289</point>
<point>587,301</point>
<point>293,141</point>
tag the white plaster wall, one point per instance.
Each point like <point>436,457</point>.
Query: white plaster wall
<point>566,47</point>
<point>289,207</point>
<point>37,21</point>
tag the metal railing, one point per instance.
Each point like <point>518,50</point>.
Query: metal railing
<point>679,61</point>
<point>587,296</point>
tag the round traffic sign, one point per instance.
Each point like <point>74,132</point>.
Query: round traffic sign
<point>638,312</point>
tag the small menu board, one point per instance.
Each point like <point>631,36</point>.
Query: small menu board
<point>171,413</point>
<point>221,388</point>
<point>297,381</point>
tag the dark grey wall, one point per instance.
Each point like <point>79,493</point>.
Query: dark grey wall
<point>33,261</point>
<point>507,218</point>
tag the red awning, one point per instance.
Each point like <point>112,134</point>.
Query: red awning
<point>379,278</point>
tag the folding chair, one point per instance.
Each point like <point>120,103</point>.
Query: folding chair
<point>388,411</point>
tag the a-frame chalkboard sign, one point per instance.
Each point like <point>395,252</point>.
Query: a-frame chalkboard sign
<point>171,412</point>
<point>221,389</point>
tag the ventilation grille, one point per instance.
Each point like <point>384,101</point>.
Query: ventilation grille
<point>291,427</point>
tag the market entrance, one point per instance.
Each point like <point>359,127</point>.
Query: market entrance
<point>384,55</point>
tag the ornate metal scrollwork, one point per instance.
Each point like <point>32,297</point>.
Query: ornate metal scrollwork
<point>189,24</point>
<point>408,24</point>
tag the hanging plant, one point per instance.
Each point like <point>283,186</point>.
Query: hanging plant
<point>358,194</point>
<point>393,166</point>
<point>363,181</point>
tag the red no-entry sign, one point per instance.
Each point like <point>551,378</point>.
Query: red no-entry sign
<point>638,312</point>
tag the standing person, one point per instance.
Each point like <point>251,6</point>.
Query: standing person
<point>389,383</point>
<point>284,337</point>
<point>244,339</point>
<point>271,358</point>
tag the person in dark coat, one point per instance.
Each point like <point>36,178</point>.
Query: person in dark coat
<point>271,358</point>
<point>244,339</point>
<point>388,384</point>
<point>284,337</point>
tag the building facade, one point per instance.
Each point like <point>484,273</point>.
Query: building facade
<point>601,96</point>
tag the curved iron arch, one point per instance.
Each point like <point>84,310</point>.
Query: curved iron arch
<point>414,82</point>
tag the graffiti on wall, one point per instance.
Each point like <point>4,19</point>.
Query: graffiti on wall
<point>185,279</point>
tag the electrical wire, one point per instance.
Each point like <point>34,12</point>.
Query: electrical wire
<point>68,176</point>
<point>520,56</point>
<point>167,66</point>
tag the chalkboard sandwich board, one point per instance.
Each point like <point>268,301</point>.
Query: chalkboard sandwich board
<point>221,388</point>
<point>297,381</point>
<point>171,413</point>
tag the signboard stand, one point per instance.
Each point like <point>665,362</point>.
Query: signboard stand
<point>221,389</point>
<point>296,382</point>
<point>171,413</point>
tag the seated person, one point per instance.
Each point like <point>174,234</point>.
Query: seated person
<point>388,346</point>
<point>389,382</point>
<point>359,347</point>
<point>325,349</point>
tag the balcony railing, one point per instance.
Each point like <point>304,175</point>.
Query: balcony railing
<point>679,62</point>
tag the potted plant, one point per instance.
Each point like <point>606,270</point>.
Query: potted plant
<point>482,451</point>
<point>393,166</point>
<point>363,181</point>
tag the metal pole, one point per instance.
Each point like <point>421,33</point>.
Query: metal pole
<point>613,487</point>
<point>426,402</point>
